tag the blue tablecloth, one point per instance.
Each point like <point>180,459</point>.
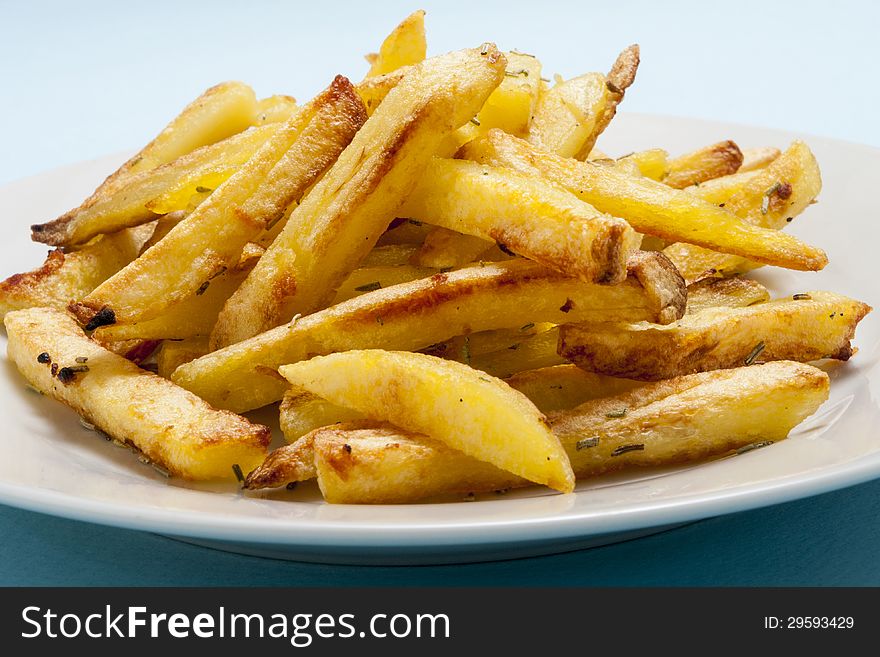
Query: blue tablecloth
<point>84,79</point>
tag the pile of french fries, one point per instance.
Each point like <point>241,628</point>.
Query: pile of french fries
<point>449,289</point>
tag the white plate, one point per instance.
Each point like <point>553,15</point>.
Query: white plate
<point>49,463</point>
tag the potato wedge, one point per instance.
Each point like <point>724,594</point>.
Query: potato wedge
<point>721,159</point>
<point>414,315</point>
<point>566,114</point>
<point>690,418</point>
<point>683,420</point>
<point>174,353</point>
<point>619,79</point>
<point>341,219</point>
<point>725,292</point>
<point>444,248</point>
<point>172,427</point>
<point>650,207</point>
<point>770,199</point>
<point>808,327</point>
<point>758,158</point>
<point>482,417</point>
<point>64,277</point>
<point>220,112</point>
<point>406,45</point>
<point>529,216</point>
<point>211,239</point>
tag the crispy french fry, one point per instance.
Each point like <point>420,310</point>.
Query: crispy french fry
<point>758,158</point>
<point>275,109</point>
<point>414,315</point>
<point>341,219</point>
<point>529,216</point>
<point>690,418</point>
<point>721,159</point>
<point>192,317</point>
<point>373,90</point>
<point>566,386</point>
<point>770,199</point>
<point>174,353</point>
<point>483,417</point>
<point>619,79</point>
<point>367,279</point>
<point>684,420</point>
<point>566,115</point>
<point>444,248</point>
<point>171,426</point>
<point>406,45</point>
<point>210,240</point>
<point>808,327</point>
<point>64,277</point>
<point>652,163</point>
<point>720,190</point>
<point>725,292</point>
<point>650,207</point>
<point>220,112</point>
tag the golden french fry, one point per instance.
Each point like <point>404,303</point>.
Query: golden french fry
<point>367,279</point>
<point>619,79</point>
<point>302,412</point>
<point>721,159</point>
<point>414,315</point>
<point>483,417</point>
<point>650,207</point>
<point>174,353</point>
<point>220,112</point>
<point>807,327</point>
<point>444,248</point>
<point>769,198</point>
<point>211,239</point>
<point>529,216</point>
<point>275,109</point>
<point>171,426</point>
<point>406,45</point>
<point>566,386</point>
<point>566,115</point>
<point>725,292</point>
<point>341,219</point>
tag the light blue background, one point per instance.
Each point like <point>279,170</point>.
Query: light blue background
<point>83,79</point>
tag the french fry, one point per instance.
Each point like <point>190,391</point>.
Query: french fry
<point>528,216</point>
<point>770,199</point>
<point>413,315</point>
<point>373,90</point>
<point>210,240</point>
<point>220,112</point>
<point>341,219</point>
<point>721,159</point>
<point>192,317</point>
<point>444,248</point>
<point>482,417</point>
<point>174,353</point>
<point>566,115</point>
<point>807,327</point>
<point>405,46</point>
<point>684,420</point>
<point>652,163</point>
<point>302,412</point>
<point>619,79</point>
<point>650,207</point>
<point>758,158</point>
<point>528,354</point>
<point>720,190</point>
<point>725,292</point>
<point>275,109</point>
<point>64,277</point>
<point>172,427</point>
<point>566,386</point>
<point>367,279</point>
<point>690,418</point>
